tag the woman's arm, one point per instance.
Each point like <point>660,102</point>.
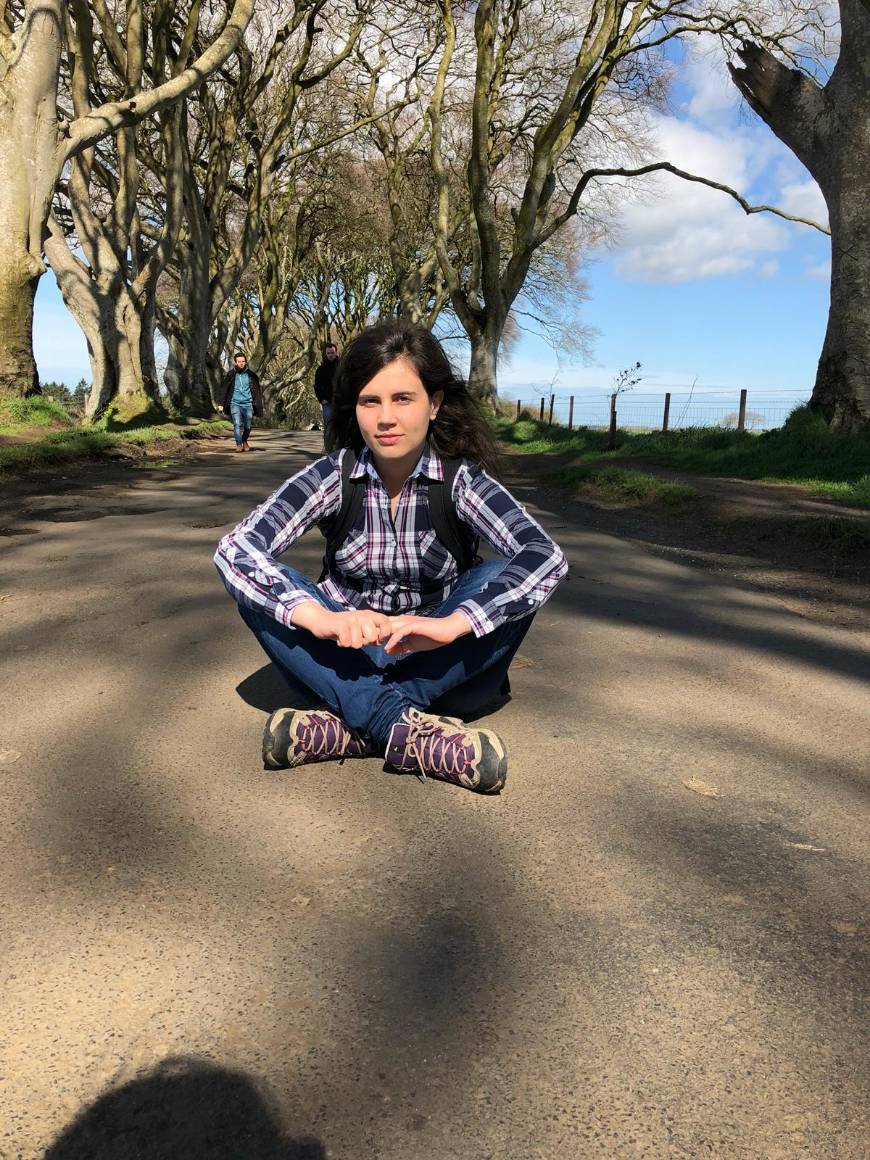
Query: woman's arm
<point>407,634</point>
<point>536,564</point>
<point>245,557</point>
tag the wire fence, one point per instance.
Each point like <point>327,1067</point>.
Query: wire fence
<point>667,411</point>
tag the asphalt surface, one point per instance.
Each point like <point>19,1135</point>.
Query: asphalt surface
<point>203,960</point>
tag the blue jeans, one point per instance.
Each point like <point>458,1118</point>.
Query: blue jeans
<point>369,689</point>
<point>243,417</point>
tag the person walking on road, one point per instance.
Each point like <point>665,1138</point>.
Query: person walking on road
<point>242,398</point>
<point>324,379</point>
<point>407,630</point>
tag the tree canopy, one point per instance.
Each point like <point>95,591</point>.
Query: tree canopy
<point>270,175</point>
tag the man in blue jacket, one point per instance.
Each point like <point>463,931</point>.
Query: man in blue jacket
<point>242,397</point>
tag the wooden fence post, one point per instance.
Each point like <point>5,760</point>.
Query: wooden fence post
<point>741,414</point>
<point>552,401</point>
<point>667,413</point>
<point>571,413</point>
<point>519,409</point>
<point>541,416</point>
<point>611,442</point>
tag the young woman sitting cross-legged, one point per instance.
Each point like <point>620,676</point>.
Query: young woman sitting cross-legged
<point>403,632</point>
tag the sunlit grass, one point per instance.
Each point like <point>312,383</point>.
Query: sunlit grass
<point>17,414</point>
<point>804,451</point>
<point>618,485</point>
<point>85,442</point>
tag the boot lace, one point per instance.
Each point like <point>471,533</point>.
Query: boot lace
<point>437,749</point>
<point>323,735</point>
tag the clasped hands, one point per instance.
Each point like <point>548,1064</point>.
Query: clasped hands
<point>399,635</point>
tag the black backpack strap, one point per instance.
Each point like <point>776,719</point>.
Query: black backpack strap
<point>459,541</point>
<point>337,528</point>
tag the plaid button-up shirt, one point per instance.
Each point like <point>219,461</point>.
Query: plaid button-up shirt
<point>392,564</point>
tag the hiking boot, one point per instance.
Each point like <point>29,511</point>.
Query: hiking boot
<point>445,748</point>
<point>295,737</point>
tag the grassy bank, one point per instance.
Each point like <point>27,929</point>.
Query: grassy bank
<point>804,451</point>
<point>17,415</point>
<point>616,485</point>
<point>36,432</point>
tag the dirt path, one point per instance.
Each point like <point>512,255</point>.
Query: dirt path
<point>748,532</point>
<point>203,960</point>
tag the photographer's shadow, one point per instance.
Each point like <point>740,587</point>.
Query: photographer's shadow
<point>183,1108</point>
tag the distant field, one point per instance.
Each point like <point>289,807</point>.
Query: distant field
<point>643,410</point>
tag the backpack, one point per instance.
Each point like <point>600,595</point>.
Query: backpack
<point>449,529</point>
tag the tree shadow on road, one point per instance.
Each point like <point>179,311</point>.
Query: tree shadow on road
<point>183,1108</point>
<point>685,603</point>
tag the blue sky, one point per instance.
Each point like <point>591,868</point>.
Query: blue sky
<point>692,287</point>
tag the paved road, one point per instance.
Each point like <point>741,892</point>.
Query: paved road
<point>203,960</point>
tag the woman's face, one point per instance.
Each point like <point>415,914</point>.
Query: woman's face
<point>393,411</point>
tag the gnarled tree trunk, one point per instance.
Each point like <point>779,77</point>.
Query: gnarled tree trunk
<point>828,129</point>
<point>29,64</point>
<point>842,388</point>
<point>111,322</point>
<point>187,375</point>
<point>19,277</point>
<point>482,377</point>
<point>35,147</point>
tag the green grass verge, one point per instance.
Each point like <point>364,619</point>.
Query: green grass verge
<point>857,494</point>
<point>83,442</point>
<point>136,414</point>
<point>17,414</point>
<point>618,485</point>
<point>191,429</point>
<point>803,451</point>
<point>58,447</point>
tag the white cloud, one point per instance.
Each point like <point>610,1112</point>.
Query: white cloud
<point>819,271</point>
<point>686,231</point>
<point>675,231</point>
<point>529,378</point>
<point>544,370</point>
<point>714,96</point>
<point>804,199</point>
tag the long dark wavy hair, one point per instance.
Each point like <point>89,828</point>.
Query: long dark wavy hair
<point>459,430</point>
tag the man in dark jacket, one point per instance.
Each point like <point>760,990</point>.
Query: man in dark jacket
<point>324,377</point>
<point>242,397</point>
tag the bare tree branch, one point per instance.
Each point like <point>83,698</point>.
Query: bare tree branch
<point>667,167</point>
<point>108,118</point>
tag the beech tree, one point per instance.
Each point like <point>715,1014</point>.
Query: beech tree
<point>400,170</point>
<point>551,85</point>
<point>37,141</point>
<point>826,127</point>
<point>107,242</point>
<point>245,132</point>
<point>272,317</point>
